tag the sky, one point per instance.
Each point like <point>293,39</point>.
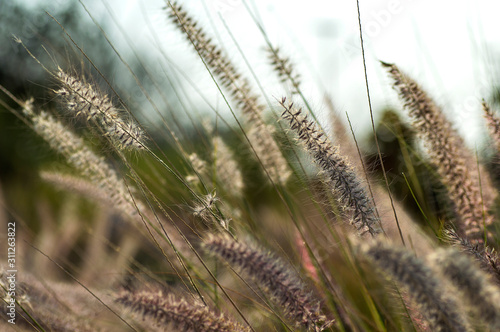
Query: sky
<point>450,47</point>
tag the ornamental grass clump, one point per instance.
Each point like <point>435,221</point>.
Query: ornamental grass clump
<point>246,213</point>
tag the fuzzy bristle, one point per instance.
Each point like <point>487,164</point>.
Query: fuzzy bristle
<point>480,293</point>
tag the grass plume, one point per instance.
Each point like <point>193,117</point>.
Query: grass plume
<point>167,311</point>
<point>427,291</point>
<point>447,152</point>
<point>343,180</point>
<point>84,100</point>
<point>271,275</point>
<point>481,294</point>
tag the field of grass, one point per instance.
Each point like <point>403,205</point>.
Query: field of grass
<point>256,217</point>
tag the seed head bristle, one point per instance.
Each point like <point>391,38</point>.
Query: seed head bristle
<point>486,256</point>
<point>285,69</point>
<point>83,159</point>
<point>226,167</point>
<point>493,122</point>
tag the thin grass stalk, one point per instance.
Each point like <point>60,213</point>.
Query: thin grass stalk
<point>372,121</point>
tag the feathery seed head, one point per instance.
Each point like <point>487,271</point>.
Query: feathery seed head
<point>82,99</point>
<point>273,276</point>
<point>487,257</point>
<point>493,122</point>
<point>284,68</point>
<point>268,152</point>
<point>167,311</point>
<point>82,158</point>
<point>226,167</point>
<point>260,135</point>
<point>207,204</point>
<point>344,181</point>
<point>198,164</point>
<point>481,294</point>
<point>426,290</point>
<point>447,152</point>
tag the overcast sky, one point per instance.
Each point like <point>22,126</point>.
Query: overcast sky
<point>451,47</point>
